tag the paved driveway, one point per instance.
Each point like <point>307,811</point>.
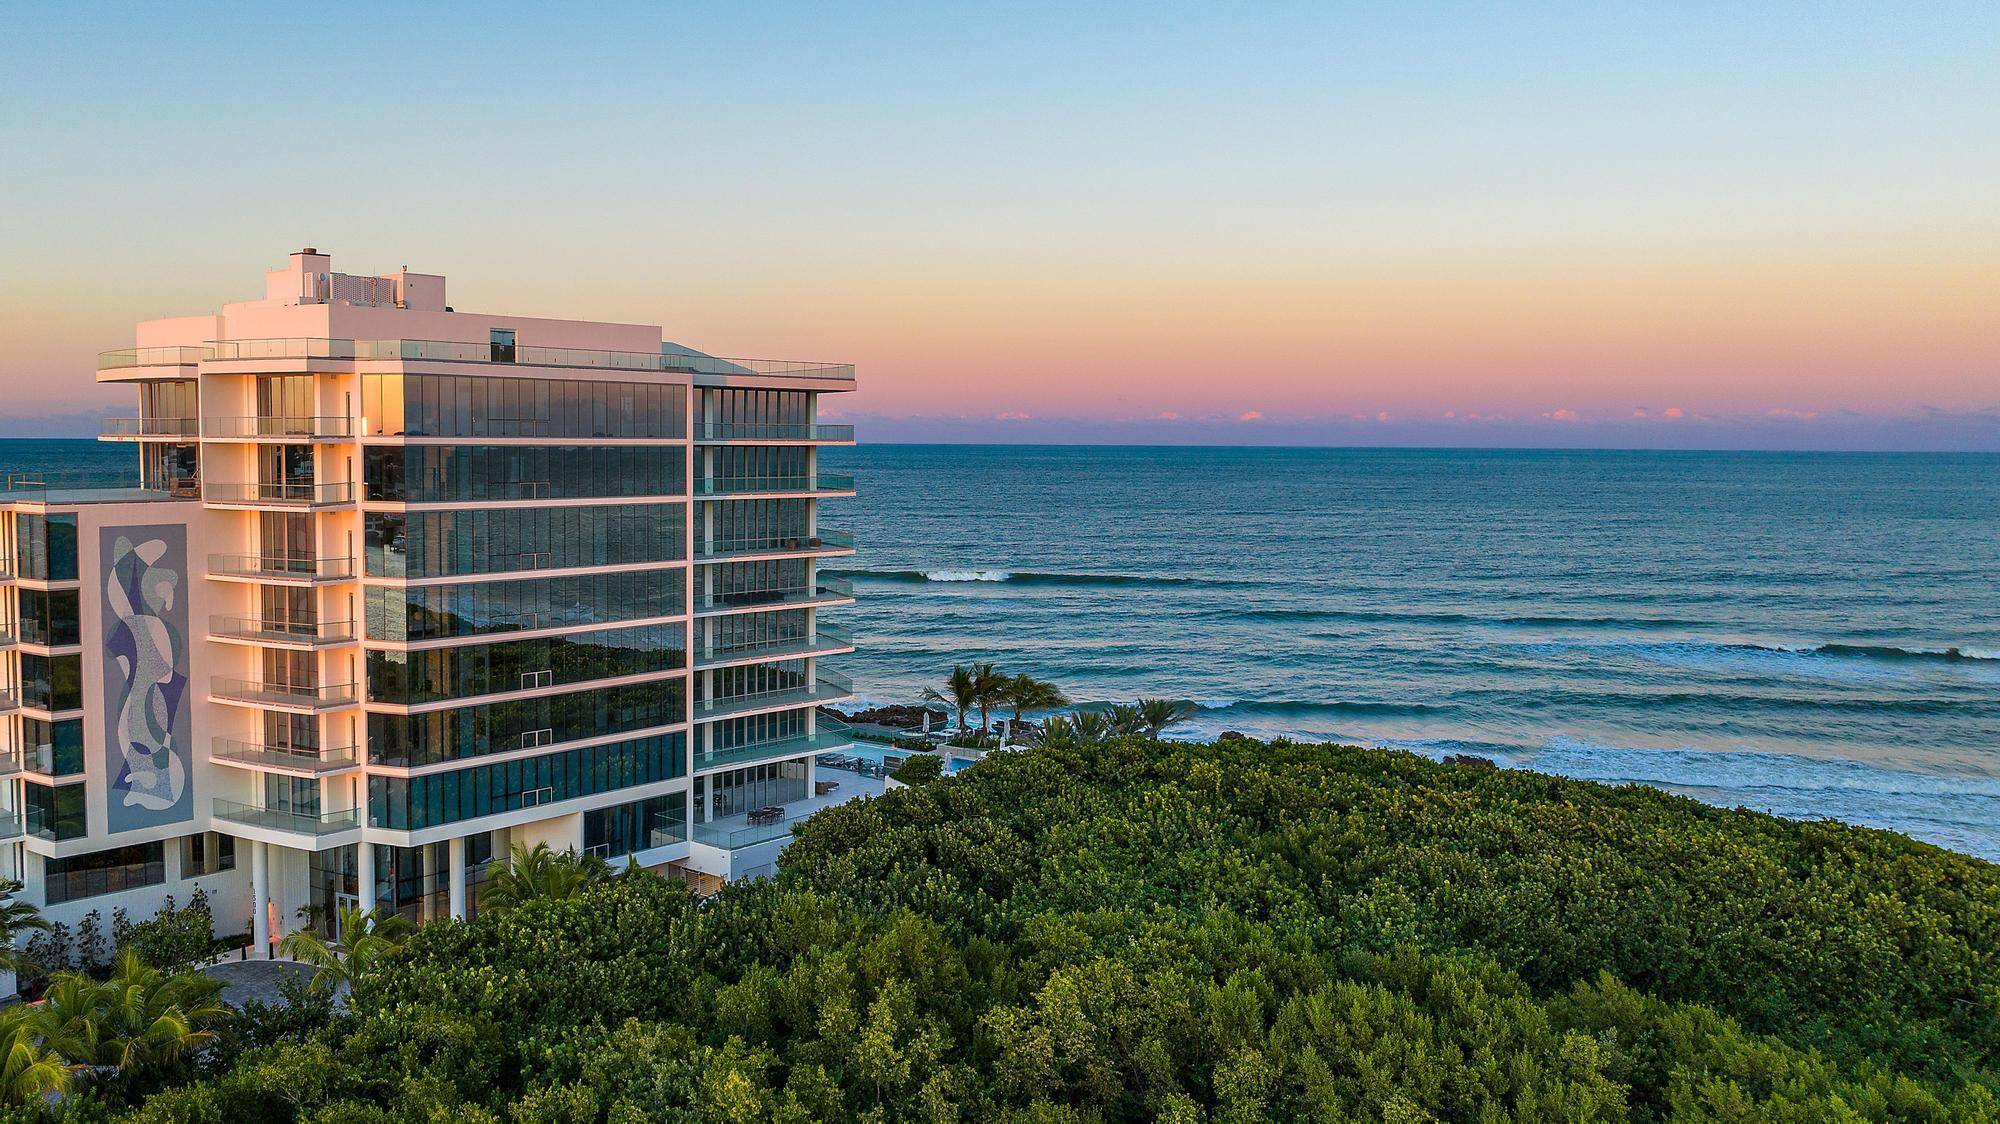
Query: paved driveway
<point>244,980</point>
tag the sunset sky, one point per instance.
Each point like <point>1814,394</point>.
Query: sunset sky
<point>1626,225</point>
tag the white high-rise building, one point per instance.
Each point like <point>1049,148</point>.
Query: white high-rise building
<point>398,586</point>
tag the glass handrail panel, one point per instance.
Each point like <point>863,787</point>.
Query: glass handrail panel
<point>291,756</point>
<point>285,819</point>
<point>150,357</point>
<point>277,426</point>
<point>280,566</point>
<point>149,427</point>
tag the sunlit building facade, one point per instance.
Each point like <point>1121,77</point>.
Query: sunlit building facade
<point>398,587</point>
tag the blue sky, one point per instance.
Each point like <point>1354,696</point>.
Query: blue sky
<point>1364,223</point>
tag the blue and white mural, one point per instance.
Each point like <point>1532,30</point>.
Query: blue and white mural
<point>147,712</point>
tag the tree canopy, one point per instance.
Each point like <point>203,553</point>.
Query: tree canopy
<point>1142,929</point>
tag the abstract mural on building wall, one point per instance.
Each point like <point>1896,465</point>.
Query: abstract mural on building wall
<point>147,712</point>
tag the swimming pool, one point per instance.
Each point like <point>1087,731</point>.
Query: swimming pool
<point>885,754</point>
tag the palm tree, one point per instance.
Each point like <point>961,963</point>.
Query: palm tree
<point>1125,719</point>
<point>1091,726</point>
<point>30,1071</point>
<point>364,939</point>
<point>1060,731</point>
<point>961,693</point>
<point>16,917</point>
<point>140,1018</point>
<point>989,688</point>
<point>1025,692</point>
<point>525,875</point>
<point>1158,714</point>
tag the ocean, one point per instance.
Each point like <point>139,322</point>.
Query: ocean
<point>1814,635</point>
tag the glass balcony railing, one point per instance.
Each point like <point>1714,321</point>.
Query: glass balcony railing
<point>827,687</point>
<point>41,759</point>
<point>829,638</point>
<point>11,826</point>
<point>822,542</point>
<point>829,735</point>
<point>280,566</point>
<point>281,694</point>
<point>454,351</point>
<point>279,630</point>
<point>285,819</point>
<point>289,495</point>
<point>293,348</point>
<point>771,431</point>
<point>9,702</point>
<point>318,759</point>
<point>287,427</point>
<point>824,589</point>
<point>738,485</point>
<point>730,839</point>
<point>150,357</point>
<point>12,761</point>
<point>177,428</point>
<point>42,634</point>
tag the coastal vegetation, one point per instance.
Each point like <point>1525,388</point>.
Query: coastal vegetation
<point>1129,928</point>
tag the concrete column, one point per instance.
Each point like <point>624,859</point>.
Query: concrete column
<point>457,851</point>
<point>364,867</point>
<point>260,893</point>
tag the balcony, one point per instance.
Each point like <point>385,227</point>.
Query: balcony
<point>455,351</point>
<point>824,483</point>
<point>827,687</point>
<point>283,758</point>
<point>824,591</point>
<point>11,762</point>
<point>826,542</point>
<point>278,428</point>
<point>753,433</point>
<point>148,429</point>
<point>150,357</point>
<point>830,735</point>
<point>41,634</point>
<point>286,631</point>
<point>10,702</point>
<point>730,833</point>
<point>284,568</point>
<point>225,688</point>
<point>278,495</point>
<point>829,641</point>
<point>315,824</point>
<point>40,759</point>
<point>11,827</point>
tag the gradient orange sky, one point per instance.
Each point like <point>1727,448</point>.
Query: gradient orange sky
<point>1145,223</point>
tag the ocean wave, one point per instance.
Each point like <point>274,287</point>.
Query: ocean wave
<point>1430,616</point>
<point>1030,577</point>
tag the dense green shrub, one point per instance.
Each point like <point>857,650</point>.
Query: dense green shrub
<point>1150,930</point>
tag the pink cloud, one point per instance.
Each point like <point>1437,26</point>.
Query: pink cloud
<point>1563,416</point>
<point>1641,412</point>
<point>1250,416</point>
<point>1013,415</point>
<point>1782,414</point>
<point>1382,416</point>
<point>1675,412</point>
<point>1167,416</point>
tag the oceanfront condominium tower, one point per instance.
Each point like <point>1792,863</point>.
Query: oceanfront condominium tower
<point>398,586</point>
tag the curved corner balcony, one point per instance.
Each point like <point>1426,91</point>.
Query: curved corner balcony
<point>772,546</point>
<point>149,429</point>
<point>283,631</point>
<point>128,357</point>
<point>824,484</point>
<point>278,495</point>
<point>284,696</point>
<point>272,428</point>
<point>280,568</point>
<point>772,433</point>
